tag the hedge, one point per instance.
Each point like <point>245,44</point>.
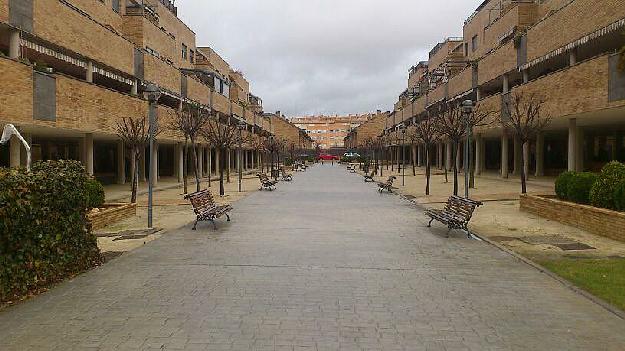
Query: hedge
<point>95,193</point>
<point>579,185</point>
<point>562,185</point>
<point>602,192</point>
<point>619,196</point>
<point>44,234</point>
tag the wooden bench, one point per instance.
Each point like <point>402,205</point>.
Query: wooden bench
<point>369,177</point>
<point>206,209</point>
<point>266,183</point>
<point>286,177</point>
<point>351,168</point>
<point>456,214</point>
<point>388,185</point>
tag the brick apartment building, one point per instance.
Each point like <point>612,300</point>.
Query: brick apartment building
<point>72,68</point>
<point>329,131</point>
<point>294,138</point>
<point>367,132</point>
<point>564,51</point>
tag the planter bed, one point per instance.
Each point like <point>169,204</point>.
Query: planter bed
<point>111,213</point>
<point>599,221</point>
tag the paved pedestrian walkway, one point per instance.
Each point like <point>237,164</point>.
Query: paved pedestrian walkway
<point>323,263</point>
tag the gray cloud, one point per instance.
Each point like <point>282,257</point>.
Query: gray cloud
<point>325,56</point>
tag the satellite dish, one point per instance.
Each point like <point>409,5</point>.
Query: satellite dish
<point>7,133</point>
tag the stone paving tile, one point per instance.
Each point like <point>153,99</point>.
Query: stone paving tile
<point>323,263</point>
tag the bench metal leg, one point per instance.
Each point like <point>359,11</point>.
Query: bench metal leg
<point>195,225</point>
<point>430,224</point>
<point>448,230</point>
<point>228,217</point>
<point>214,224</point>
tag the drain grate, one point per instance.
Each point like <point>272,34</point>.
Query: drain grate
<point>574,247</point>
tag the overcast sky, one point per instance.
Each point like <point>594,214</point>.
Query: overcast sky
<point>307,57</point>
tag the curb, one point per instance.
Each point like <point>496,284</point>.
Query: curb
<point>602,303</point>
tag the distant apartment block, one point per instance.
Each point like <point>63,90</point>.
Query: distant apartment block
<point>565,52</point>
<point>329,131</point>
<point>72,68</point>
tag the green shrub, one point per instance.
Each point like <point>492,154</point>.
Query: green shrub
<point>95,193</point>
<point>602,192</point>
<point>619,197</point>
<point>44,233</point>
<point>562,185</point>
<point>579,186</point>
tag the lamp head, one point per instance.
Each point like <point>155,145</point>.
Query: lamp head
<point>467,106</point>
<point>152,93</point>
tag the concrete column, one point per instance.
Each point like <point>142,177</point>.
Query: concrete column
<point>134,90</point>
<point>89,153</point>
<point>179,162</point>
<point>580,150</point>
<point>573,57</point>
<point>14,44</point>
<point>518,148</point>
<point>540,155</point>
<point>121,162</point>
<point>506,84</point>
<point>478,94</point>
<point>154,167</point>
<point>439,155</point>
<point>478,154</point>
<point>209,161</point>
<point>526,159</point>
<point>200,161</point>
<point>418,149</point>
<point>89,75</point>
<point>15,151</point>
<point>142,163</point>
<point>526,76</point>
<point>449,155</point>
<point>504,156</point>
<point>572,149</point>
<point>459,156</point>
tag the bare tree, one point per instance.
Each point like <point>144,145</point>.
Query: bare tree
<point>522,117</point>
<point>222,136</point>
<point>134,132</point>
<point>189,121</point>
<point>413,140</point>
<point>426,133</point>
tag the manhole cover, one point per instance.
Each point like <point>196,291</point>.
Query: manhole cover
<point>546,239</point>
<point>574,247</point>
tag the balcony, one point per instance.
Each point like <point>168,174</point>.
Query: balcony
<point>498,62</point>
<point>16,97</point>
<point>515,15</point>
<point>66,27</point>
<point>438,94</point>
<point>197,91</point>
<point>570,23</point>
<point>221,103</point>
<point>90,108</point>
<point>580,89</point>
<point>161,73</point>
<point>461,82</point>
<point>490,104</point>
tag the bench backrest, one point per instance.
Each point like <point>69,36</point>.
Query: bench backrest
<point>462,207</point>
<point>390,180</point>
<point>201,200</point>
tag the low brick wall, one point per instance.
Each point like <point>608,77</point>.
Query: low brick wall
<point>111,213</point>
<point>599,221</point>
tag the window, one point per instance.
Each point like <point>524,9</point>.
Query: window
<point>191,56</point>
<point>184,52</point>
<point>474,43</point>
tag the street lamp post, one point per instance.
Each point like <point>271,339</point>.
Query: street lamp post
<point>467,109</point>
<point>152,93</point>
<point>241,126</point>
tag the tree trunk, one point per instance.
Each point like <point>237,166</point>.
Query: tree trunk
<point>135,176</point>
<point>414,152</point>
<point>427,171</point>
<point>454,155</point>
<point>185,166</point>
<point>523,175</point>
<point>228,159</point>
<point>222,155</point>
<point>198,186</point>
